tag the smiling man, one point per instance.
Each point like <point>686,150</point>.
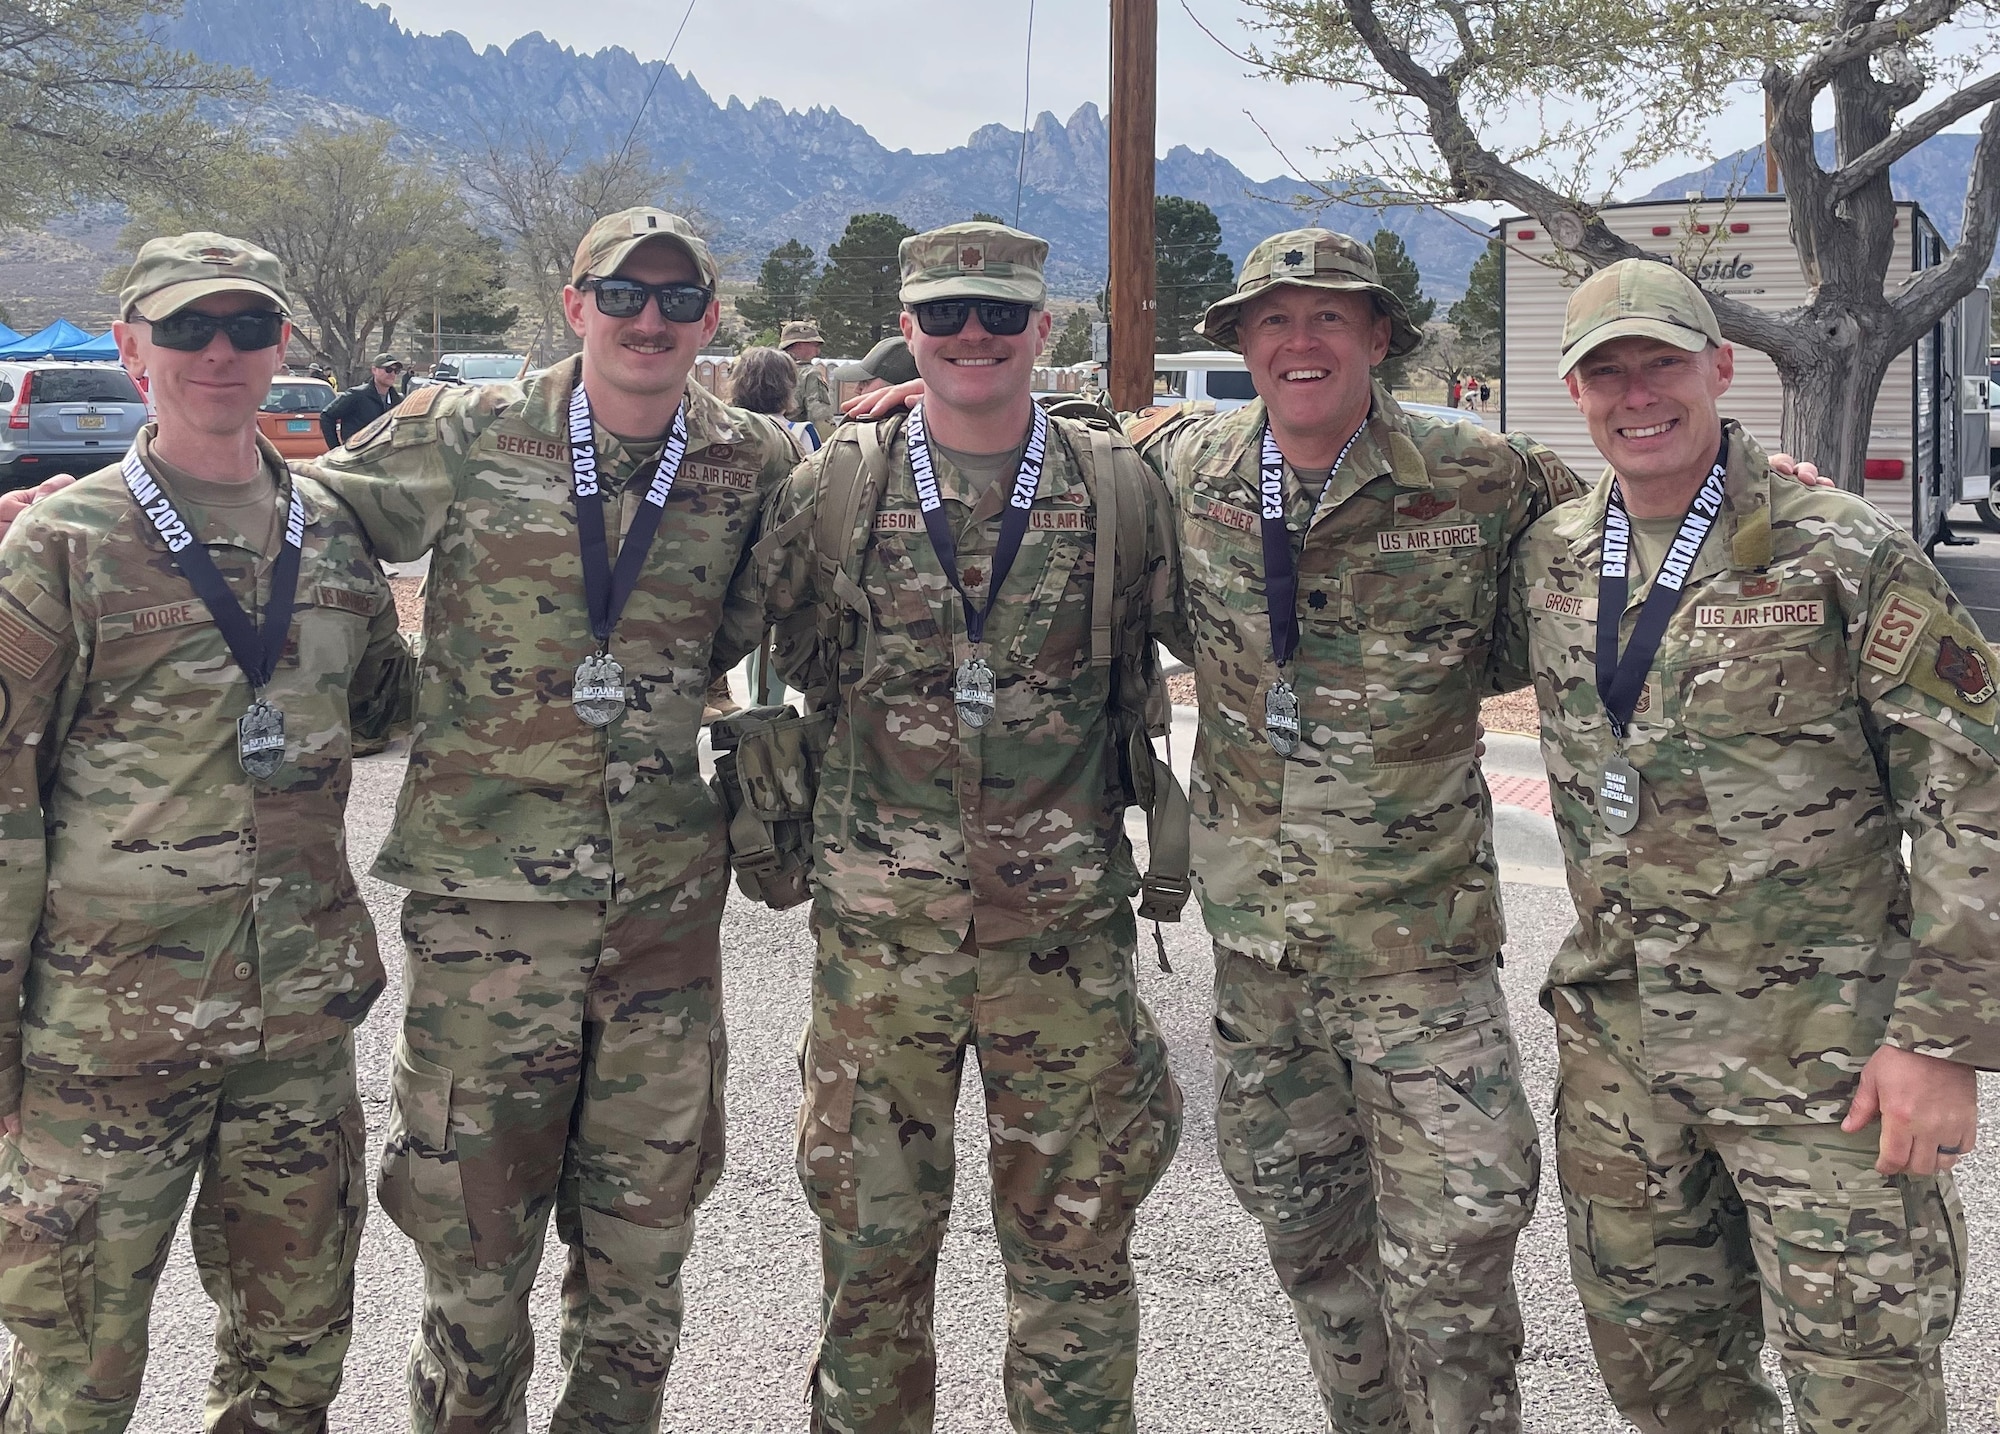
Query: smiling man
<point>1341,563</point>
<point>563,1042</point>
<point>1769,1019</point>
<point>972,592</point>
<point>192,644</point>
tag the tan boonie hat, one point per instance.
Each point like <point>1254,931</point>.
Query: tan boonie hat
<point>974,261</point>
<point>1640,298</point>
<point>799,332</point>
<point>612,239</point>
<point>172,272</point>
<point>889,361</point>
<point>1310,259</point>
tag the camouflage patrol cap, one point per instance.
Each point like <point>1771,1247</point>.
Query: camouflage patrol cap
<point>889,361</point>
<point>1310,259</point>
<point>612,239</point>
<point>799,331</point>
<point>977,260</point>
<point>173,271</point>
<point>1640,298</point>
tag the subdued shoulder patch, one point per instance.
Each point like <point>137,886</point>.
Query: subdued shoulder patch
<point>373,431</point>
<point>417,404</point>
<point>25,646</point>
<point>1892,636</point>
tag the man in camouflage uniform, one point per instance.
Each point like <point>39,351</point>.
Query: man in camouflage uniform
<point>1369,1111</point>
<point>812,401</point>
<point>973,879</point>
<point>563,1043</point>
<point>1757,974</point>
<point>183,953</point>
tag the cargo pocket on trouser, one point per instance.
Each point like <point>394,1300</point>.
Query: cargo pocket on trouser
<point>1486,1132</point>
<point>1612,1252</point>
<point>420,1185</point>
<point>48,1234</point>
<point>1858,1278</point>
<point>826,1133</point>
<point>1254,1140</point>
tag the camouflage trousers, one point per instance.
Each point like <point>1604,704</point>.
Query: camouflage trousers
<point>566,1056</point>
<point>1377,1130</point>
<point>1690,1242</point>
<point>91,1193</point>
<point>1082,1118</point>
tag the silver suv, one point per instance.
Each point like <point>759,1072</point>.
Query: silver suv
<point>64,418</point>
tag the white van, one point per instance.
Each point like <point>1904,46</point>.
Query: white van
<point>1212,375</point>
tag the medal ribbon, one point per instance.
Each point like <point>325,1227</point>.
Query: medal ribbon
<point>256,652</point>
<point>1281,567</point>
<point>1013,522</point>
<point>606,588</point>
<point>1621,679</point>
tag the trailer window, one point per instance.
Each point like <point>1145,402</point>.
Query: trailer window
<point>1230,383</point>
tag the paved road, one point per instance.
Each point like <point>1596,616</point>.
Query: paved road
<point>1220,1350</point>
<point>1975,571</point>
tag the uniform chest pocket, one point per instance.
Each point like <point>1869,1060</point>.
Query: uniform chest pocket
<point>1054,634</point>
<point>1776,738</point>
<point>1222,555</point>
<point>903,634</point>
<point>1422,625</point>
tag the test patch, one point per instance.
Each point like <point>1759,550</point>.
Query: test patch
<point>1428,540</point>
<point>1892,636</point>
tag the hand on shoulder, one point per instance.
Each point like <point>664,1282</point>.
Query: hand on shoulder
<point>13,505</point>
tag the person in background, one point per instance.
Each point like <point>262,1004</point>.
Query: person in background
<point>361,405</point>
<point>812,401</point>
<point>889,362</point>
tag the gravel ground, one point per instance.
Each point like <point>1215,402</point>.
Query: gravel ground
<point>409,602</point>
<point>1220,1351</point>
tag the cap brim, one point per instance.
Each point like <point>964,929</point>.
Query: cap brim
<point>973,286</point>
<point>853,373</point>
<point>614,258</point>
<point>1218,324</point>
<point>1679,335</point>
<point>175,297</point>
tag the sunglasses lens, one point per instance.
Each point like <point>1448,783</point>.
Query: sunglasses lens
<point>191,332</point>
<point>256,330</point>
<point>683,303</point>
<point>1001,319</point>
<point>620,298</point>
<point>942,317</point>
<point>187,332</point>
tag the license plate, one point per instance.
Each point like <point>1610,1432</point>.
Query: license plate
<point>298,425</point>
<point>90,420</point>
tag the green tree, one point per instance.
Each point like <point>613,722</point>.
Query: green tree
<point>367,241</point>
<point>1444,87</point>
<point>1193,272</point>
<point>980,216</point>
<point>1399,275</point>
<point>93,108</point>
<point>857,291</point>
<point>1477,315</point>
<point>784,288</point>
<point>1072,340</point>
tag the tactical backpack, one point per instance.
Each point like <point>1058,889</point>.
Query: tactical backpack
<point>768,758</point>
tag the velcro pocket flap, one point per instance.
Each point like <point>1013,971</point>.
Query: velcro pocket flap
<point>43,1205</point>
<point>423,1098</point>
<point>777,763</point>
<point>1609,1177</point>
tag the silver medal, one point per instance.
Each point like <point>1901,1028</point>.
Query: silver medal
<point>1618,796</point>
<point>599,694</point>
<point>260,739</point>
<point>973,691</point>
<point>1281,718</point>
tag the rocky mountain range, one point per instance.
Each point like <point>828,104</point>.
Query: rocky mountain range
<point>759,173</point>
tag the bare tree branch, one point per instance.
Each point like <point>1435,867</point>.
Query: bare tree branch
<point>1935,289</point>
<point>1863,167</point>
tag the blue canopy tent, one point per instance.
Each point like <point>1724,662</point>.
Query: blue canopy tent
<point>51,341</point>
<point>8,336</point>
<point>102,347</point>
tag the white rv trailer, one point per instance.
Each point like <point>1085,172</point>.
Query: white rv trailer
<point>1927,445</point>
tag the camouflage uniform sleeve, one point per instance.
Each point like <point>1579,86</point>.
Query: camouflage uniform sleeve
<point>820,409</point>
<point>1542,482</point>
<point>382,698</point>
<point>786,574</point>
<point>400,473</point>
<point>743,605</point>
<point>39,681</point>
<point>1926,679</point>
<point>1153,433</point>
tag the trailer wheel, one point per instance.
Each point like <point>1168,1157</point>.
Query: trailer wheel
<point>1989,517</point>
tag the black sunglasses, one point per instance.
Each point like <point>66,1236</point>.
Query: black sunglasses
<point>626,298</point>
<point>190,331</point>
<point>941,318</point>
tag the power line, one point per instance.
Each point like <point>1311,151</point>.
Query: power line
<point>1027,70</point>
<point>658,70</point>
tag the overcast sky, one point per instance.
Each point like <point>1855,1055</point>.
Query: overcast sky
<point>925,75</point>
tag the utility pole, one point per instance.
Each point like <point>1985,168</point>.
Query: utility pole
<point>1135,28</point>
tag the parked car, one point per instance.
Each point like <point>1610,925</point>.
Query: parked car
<point>480,368</point>
<point>290,415</point>
<point>64,418</point>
